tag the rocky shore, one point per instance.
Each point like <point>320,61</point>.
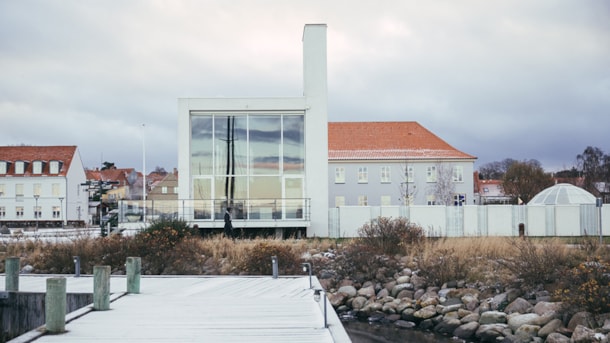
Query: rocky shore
<point>470,312</point>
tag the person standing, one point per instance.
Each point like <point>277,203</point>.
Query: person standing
<point>228,230</point>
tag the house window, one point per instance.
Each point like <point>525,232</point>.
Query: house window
<point>37,167</point>
<point>458,174</point>
<point>37,212</point>
<point>386,200</point>
<point>19,190</point>
<point>385,174</point>
<point>363,175</point>
<point>54,167</point>
<point>175,190</point>
<point>2,211</point>
<point>459,199</point>
<point>37,189</point>
<point>56,211</point>
<point>431,174</point>
<point>363,200</point>
<point>485,190</point>
<point>339,175</point>
<point>339,201</point>
<point>3,167</point>
<point>164,190</point>
<point>410,174</point>
<point>19,211</point>
<point>431,200</point>
<point>55,189</point>
<point>19,167</point>
<point>2,190</point>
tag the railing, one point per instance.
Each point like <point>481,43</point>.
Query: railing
<point>206,210</point>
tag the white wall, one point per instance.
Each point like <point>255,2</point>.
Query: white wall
<point>474,220</point>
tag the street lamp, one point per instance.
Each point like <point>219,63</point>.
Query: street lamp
<point>61,211</point>
<point>36,196</point>
<point>317,296</point>
<point>307,268</point>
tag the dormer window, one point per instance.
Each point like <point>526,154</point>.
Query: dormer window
<point>19,167</point>
<point>3,167</point>
<point>54,167</point>
<point>37,167</point>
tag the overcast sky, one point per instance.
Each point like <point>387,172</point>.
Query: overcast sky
<point>517,79</point>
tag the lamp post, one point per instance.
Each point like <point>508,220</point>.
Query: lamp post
<point>144,172</point>
<point>36,196</point>
<point>317,296</point>
<point>307,268</point>
<point>61,211</point>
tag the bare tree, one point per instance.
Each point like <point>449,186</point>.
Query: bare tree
<point>408,190</point>
<point>444,188</point>
<point>523,180</point>
<point>594,166</point>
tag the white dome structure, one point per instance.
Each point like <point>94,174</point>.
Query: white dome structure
<point>563,194</point>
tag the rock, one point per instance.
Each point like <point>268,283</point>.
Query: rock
<point>557,338</point>
<point>427,324</point>
<point>499,302</point>
<point>428,298</point>
<point>467,330</point>
<point>349,291</point>
<point>516,321</point>
<point>425,312</point>
<point>443,292</point>
<point>550,327</point>
<point>400,287</point>
<point>492,317</point>
<point>409,314</point>
<point>581,318</point>
<point>526,332</point>
<point>473,317</point>
<point>418,293</point>
<point>367,292</point>
<point>583,334</point>
<point>383,293</point>
<point>403,279</point>
<point>337,299</point>
<point>358,302</point>
<point>389,307</point>
<point>27,269</point>
<point>606,327</point>
<point>543,307</point>
<point>405,294</point>
<point>403,324</point>
<point>442,309</point>
<point>491,332</point>
<point>519,305</point>
<point>447,326</point>
<point>418,281</point>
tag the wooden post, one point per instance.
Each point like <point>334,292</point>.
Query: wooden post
<point>101,288</point>
<point>134,269</point>
<point>55,305</point>
<point>12,274</point>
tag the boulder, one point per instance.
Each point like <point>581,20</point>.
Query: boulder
<point>583,334</point>
<point>400,287</point>
<point>544,307</point>
<point>425,312</point>
<point>557,338</point>
<point>467,330</point>
<point>358,302</point>
<point>349,290</point>
<point>581,318</point>
<point>403,324</point>
<point>550,327</point>
<point>527,332</point>
<point>403,279</point>
<point>516,321</point>
<point>473,317</point>
<point>519,305</point>
<point>367,292</point>
<point>447,326</point>
<point>492,317</point>
<point>491,332</point>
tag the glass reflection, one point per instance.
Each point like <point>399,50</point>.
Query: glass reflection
<point>294,144</point>
<point>201,145</point>
<point>265,141</point>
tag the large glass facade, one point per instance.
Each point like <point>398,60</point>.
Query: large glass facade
<point>252,162</point>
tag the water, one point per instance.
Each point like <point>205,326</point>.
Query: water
<point>363,332</point>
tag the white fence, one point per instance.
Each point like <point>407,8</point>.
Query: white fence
<point>474,220</point>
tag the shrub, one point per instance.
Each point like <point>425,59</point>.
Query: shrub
<point>536,264</point>
<point>257,259</point>
<point>390,236</point>
<point>586,288</point>
<point>441,266</point>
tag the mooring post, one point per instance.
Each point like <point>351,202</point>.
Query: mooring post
<point>55,305</point>
<point>133,268</point>
<point>76,266</point>
<point>101,288</point>
<point>12,274</point>
<point>274,265</point>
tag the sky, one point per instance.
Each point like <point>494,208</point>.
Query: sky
<point>516,79</point>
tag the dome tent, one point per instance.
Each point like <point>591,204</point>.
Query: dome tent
<point>563,194</point>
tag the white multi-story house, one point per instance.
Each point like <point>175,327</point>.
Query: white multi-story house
<point>395,163</point>
<point>41,186</point>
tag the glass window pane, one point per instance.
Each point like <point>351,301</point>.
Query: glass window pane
<point>230,145</point>
<point>265,138</point>
<point>201,145</point>
<point>294,144</point>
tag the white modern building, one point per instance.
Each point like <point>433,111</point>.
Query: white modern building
<point>41,186</point>
<point>267,158</point>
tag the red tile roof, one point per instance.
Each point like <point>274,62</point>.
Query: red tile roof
<point>29,154</point>
<point>388,141</point>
